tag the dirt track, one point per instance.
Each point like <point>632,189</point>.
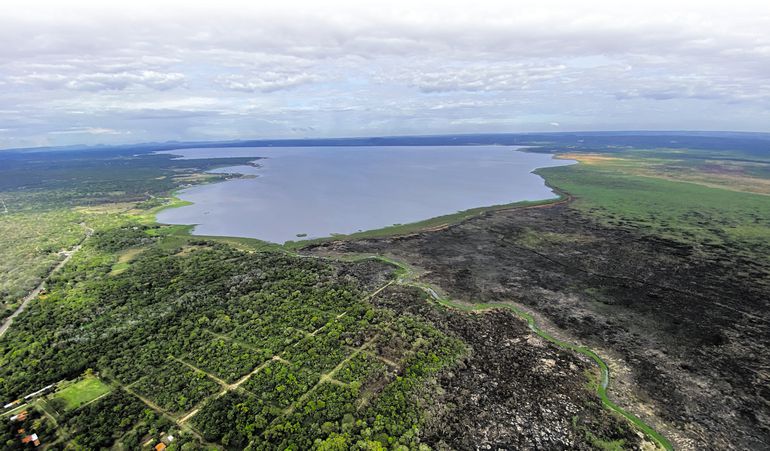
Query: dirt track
<point>36,292</point>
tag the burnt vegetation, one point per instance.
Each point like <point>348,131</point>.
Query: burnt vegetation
<point>691,322</point>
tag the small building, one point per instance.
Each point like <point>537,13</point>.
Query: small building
<point>160,446</point>
<point>32,438</point>
<point>11,404</point>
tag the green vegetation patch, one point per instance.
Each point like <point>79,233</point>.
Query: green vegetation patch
<point>684,212</point>
<point>30,246</point>
<point>318,353</point>
<point>99,424</point>
<point>225,358</point>
<point>267,346</point>
<point>123,238</point>
<point>361,369</point>
<point>81,392</point>
<point>183,387</point>
<point>280,384</point>
<point>726,169</point>
<point>234,418</point>
<point>124,260</point>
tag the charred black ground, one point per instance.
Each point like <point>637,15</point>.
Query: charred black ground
<point>691,329</point>
<point>514,390</point>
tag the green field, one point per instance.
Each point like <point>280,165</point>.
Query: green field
<point>82,392</point>
<point>124,260</point>
<point>683,211</point>
<point>726,170</point>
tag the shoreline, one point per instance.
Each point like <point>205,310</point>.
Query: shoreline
<point>430,223</point>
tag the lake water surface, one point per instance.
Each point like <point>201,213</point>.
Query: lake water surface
<point>311,192</point>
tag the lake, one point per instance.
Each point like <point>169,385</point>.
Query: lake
<point>310,192</point>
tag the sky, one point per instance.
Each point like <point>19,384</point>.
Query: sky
<point>79,72</point>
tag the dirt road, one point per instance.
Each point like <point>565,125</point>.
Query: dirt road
<point>34,293</point>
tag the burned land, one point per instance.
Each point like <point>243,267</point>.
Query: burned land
<point>513,390</point>
<point>685,326</point>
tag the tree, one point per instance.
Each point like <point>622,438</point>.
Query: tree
<point>335,442</point>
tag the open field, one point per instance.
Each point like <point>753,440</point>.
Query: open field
<point>686,212</point>
<point>81,392</point>
<point>717,171</point>
<point>124,260</point>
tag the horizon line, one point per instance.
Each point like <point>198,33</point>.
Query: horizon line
<point>371,137</point>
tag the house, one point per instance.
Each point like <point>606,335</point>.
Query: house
<point>11,404</point>
<point>33,438</point>
<point>164,440</point>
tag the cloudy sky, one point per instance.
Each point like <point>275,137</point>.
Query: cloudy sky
<point>119,71</point>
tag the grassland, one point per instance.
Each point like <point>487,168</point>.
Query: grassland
<point>81,392</point>
<point>124,260</point>
<point>722,170</point>
<point>679,210</point>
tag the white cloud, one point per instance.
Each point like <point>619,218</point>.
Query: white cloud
<point>101,81</point>
<point>265,81</point>
<point>179,70</point>
<point>123,80</point>
<point>483,78</point>
<point>88,131</point>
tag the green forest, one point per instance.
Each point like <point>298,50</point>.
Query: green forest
<point>231,348</point>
